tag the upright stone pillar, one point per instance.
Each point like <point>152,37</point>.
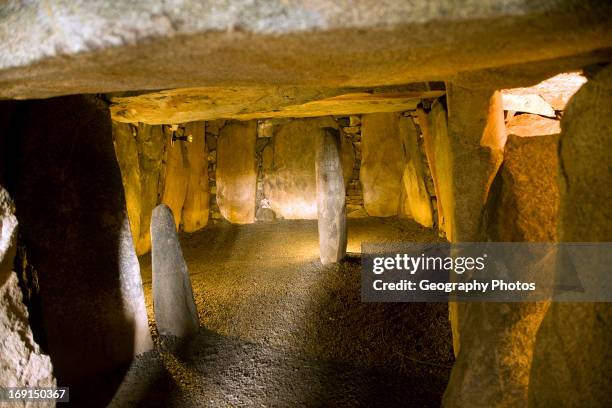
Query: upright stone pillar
<point>175,309</point>
<point>330,197</point>
<point>572,362</point>
<point>74,224</point>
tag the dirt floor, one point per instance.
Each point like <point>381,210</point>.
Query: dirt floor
<point>279,329</point>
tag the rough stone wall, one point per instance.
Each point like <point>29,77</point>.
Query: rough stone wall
<point>212,133</point>
<point>195,206</point>
<point>524,199</point>
<point>22,363</point>
<point>155,170</point>
<point>185,175</point>
<point>351,128</point>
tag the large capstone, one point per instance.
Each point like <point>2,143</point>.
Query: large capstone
<point>175,309</point>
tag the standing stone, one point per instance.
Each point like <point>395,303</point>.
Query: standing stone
<point>466,156</point>
<point>524,200</point>
<point>289,177</point>
<point>330,197</point>
<point>176,178</point>
<point>140,152</point>
<point>22,363</point>
<point>175,309</point>
<point>236,173</point>
<point>476,139</point>
<point>197,200</point>
<point>415,202</point>
<point>382,164</point>
<point>126,150</point>
<point>572,364</point>
<point>74,225</point>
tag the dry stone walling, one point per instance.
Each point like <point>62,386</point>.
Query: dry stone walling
<point>330,197</point>
<point>175,309</point>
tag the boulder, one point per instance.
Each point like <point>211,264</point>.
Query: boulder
<point>523,205</point>
<point>382,163</point>
<point>529,103</point>
<point>572,363</point>
<point>236,174</point>
<point>524,200</point>
<point>22,363</point>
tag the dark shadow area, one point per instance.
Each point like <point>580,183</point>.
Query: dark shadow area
<point>71,207</point>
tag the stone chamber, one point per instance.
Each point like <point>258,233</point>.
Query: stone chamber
<point>185,187</point>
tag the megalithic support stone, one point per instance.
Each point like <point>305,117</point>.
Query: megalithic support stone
<point>331,207</point>
<point>175,309</point>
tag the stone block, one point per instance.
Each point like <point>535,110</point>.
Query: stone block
<point>236,174</point>
<point>289,176</point>
<point>382,164</point>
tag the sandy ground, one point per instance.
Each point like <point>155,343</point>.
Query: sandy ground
<point>279,329</point>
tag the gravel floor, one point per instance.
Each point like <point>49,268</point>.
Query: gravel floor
<point>279,329</point>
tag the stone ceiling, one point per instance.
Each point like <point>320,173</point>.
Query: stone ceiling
<point>76,46</point>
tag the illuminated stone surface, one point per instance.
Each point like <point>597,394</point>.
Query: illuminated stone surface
<point>415,202</point>
<point>526,125</point>
<point>382,164</point>
<point>289,173</point>
<point>140,151</point>
<point>197,199</point>
<point>236,175</point>
<point>331,208</point>
<point>175,310</point>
